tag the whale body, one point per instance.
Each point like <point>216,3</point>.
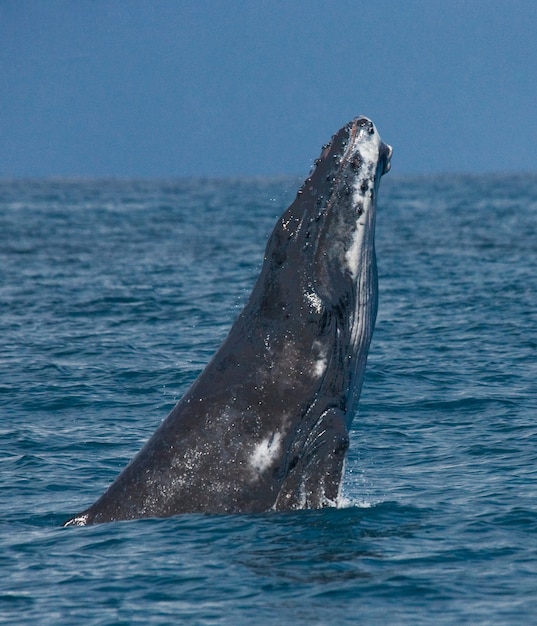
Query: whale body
<point>265,426</point>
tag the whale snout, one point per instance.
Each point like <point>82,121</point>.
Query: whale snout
<point>366,133</point>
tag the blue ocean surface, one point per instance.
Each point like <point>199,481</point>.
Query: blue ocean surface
<point>115,294</point>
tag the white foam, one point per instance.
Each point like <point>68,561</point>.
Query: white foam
<point>81,520</point>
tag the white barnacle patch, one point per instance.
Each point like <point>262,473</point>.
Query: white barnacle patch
<point>265,453</point>
<point>314,301</point>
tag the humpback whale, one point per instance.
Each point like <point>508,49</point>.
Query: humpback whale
<point>265,426</point>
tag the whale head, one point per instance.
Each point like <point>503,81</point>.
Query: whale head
<point>325,239</point>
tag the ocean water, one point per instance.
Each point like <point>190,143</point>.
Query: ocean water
<point>114,295</point>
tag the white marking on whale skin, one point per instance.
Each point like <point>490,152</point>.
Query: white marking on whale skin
<point>265,453</point>
<point>369,150</point>
<point>319,367</point>
<point>362,242</point>
<point>321,362</point>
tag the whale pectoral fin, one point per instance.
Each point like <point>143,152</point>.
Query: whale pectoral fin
<point>315,473</point>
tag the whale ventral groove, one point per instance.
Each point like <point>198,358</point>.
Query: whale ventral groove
<point>265,426</point>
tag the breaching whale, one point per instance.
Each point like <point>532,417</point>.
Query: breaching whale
<point>265,425</point>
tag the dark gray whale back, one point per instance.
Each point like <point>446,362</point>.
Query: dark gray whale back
<point>265,425</point>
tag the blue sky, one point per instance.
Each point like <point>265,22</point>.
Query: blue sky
<point>146,88</point>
